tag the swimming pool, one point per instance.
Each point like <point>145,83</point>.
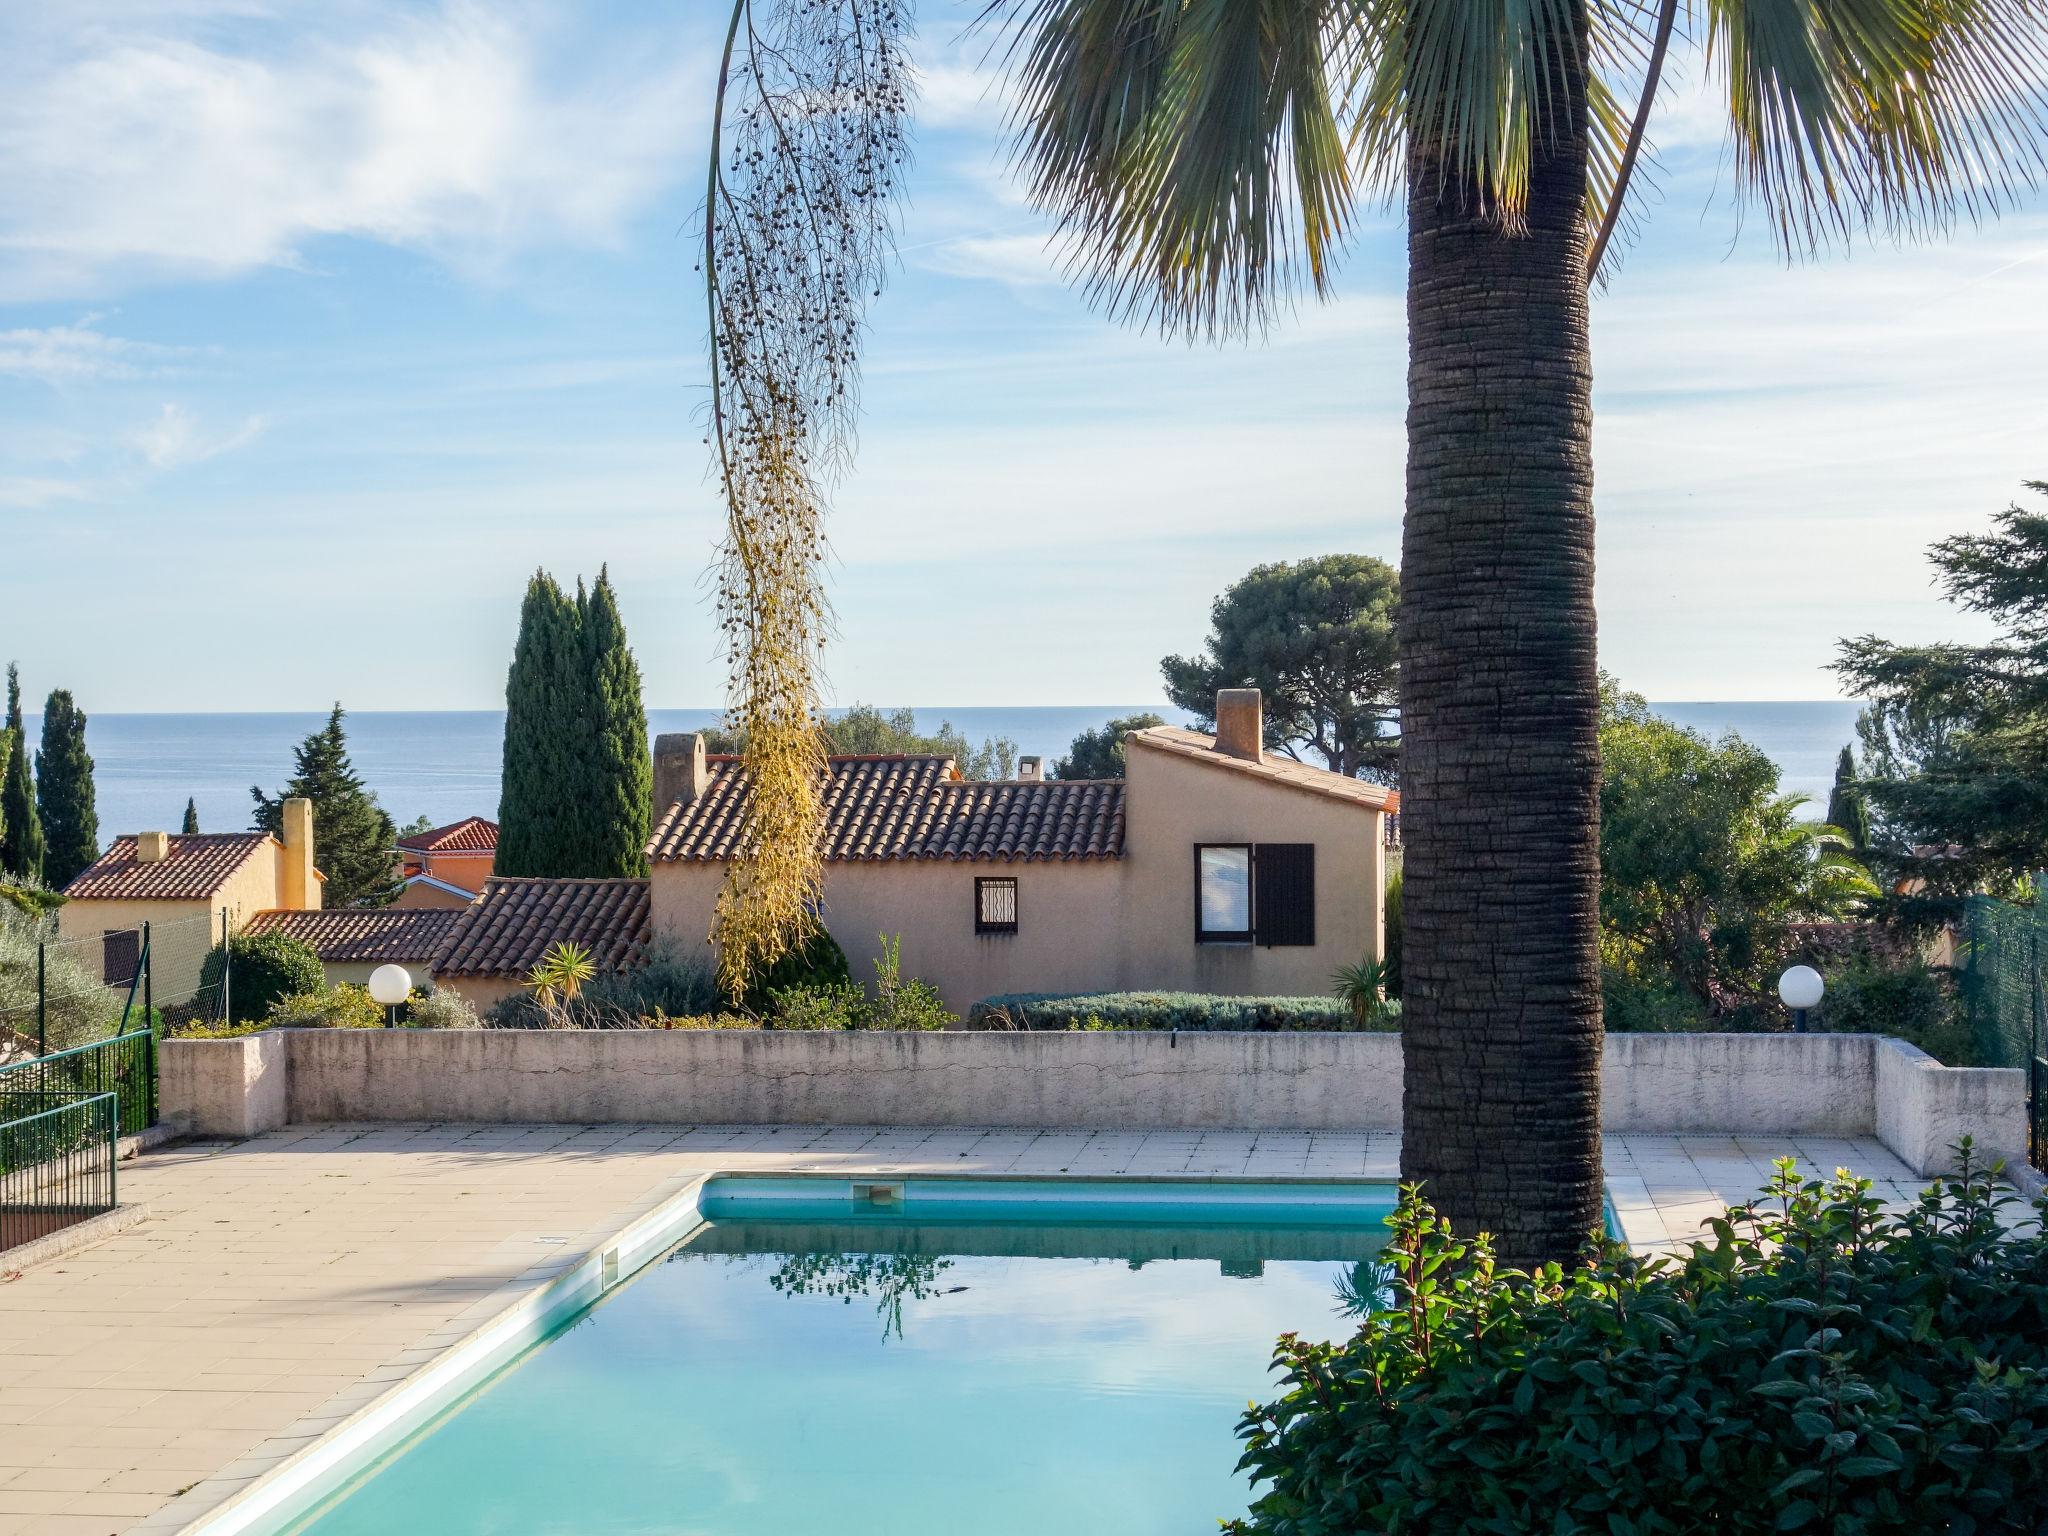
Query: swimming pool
<point>901,1356</point>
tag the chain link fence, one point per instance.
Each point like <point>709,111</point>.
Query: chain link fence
<point>2001,948</point>
<point>59,991</point>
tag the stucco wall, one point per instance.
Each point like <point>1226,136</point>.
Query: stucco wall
<point>469,870</point>
<point>357,972</point>
<point>479,991</point>
<point>1172,803</point>
<point>1098,925</point>
<point>1821,1085</point>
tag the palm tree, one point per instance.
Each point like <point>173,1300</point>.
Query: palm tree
<point>1204,157</point>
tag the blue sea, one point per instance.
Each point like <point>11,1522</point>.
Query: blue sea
<point>444,765</point>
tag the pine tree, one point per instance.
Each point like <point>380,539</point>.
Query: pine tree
<point>21,842</point>
<point>64,792</point>
<point>618,806</point>
<point>353,839</point>
<point>191,826</point>
<point>1846,808</point>
<point>544,702</point>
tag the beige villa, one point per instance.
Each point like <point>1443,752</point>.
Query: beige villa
<point>183,886</point>
<point>1211,866</point>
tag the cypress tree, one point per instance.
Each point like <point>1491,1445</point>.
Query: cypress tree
<point>354,842</point>
<point>619,803</point>
<point>64,792</point>
<point>542,779</point>
<point>1846,809</point>
<point>21,841</point>
<point>191,826</point>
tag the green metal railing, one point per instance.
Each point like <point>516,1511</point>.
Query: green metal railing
<point>124,1066</point>
<point>57,1160</point>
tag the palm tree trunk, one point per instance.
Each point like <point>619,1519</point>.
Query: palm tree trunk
<point>1500,706</point>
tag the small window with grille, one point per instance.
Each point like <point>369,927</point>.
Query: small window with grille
<point>995,904</point>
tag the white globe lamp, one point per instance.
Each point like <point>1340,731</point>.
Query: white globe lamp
<point>390,985</point>
<point>1800,988</point>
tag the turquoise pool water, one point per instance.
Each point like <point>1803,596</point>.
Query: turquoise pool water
<point>992,1360</point>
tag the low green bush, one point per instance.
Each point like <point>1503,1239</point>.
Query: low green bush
<point>342,1006</point>
<point>267,968</point>
<point>441,1010</point>
<point>912,1004</point>
<point>1819,1365</point>
<point>818,962</point>
<point>840,1006</point>
<point>79,1008</point>
<point>1173,1010</point>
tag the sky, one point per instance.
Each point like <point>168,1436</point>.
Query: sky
<point>323,325</point>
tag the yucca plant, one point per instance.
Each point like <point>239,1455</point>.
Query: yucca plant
<point>1205,159</point>
<point>1362,988</point>
<point>558,979</point>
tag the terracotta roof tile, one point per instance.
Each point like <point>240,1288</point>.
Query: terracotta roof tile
<point>194,868</point>
<point>364,934</point>
<point>472,834</point>
<point>515,922</point>
<point>912,808</point>
<point>1277,769</point>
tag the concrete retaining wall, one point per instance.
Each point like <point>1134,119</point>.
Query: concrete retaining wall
<point>1815,1085</point>
<point>1924,1108</point>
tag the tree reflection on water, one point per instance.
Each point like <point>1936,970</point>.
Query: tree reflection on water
<point>891,1278</point>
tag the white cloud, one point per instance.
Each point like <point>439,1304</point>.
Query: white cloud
<point>177,438</point>
<point>136,152</point>
<point>32,491</point>
<point>70,354</point>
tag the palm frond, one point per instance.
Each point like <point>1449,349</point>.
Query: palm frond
<point>1189,148</point>
<point>1897,116</point>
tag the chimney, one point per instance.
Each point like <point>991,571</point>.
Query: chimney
<point>152,847</point>
<point>300,891</point>
<point>680,772</point>
<point>1240,723</point>
<point>1030,770</point>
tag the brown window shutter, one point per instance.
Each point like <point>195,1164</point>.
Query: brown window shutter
<point>1284,893</point>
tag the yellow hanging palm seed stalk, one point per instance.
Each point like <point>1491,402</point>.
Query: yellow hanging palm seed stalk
<point>807,150</point>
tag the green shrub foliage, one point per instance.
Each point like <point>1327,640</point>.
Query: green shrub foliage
<point>1171,1010</point>
<point>817,962</point>
<point>267,969</point>
<point>1817,1365</point>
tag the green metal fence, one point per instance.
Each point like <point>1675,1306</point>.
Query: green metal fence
<point>123,1067</point>
<point>57,1160</point>
<point>2002,947</point>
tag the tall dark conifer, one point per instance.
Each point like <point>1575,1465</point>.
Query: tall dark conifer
<point>191,824</point>
<point>543,780</point>
<point>21,836</point>
<point>1846,809</point>
<point>354,842</point>
<point>64,792</point>
<point>619,804</point>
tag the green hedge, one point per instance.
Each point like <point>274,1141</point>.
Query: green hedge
<point>1169,1010</point>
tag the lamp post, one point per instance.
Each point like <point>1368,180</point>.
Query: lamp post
<point>390,985</point>
<point>1800,988</point>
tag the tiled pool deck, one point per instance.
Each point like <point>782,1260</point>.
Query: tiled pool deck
<point>280,1284</point>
